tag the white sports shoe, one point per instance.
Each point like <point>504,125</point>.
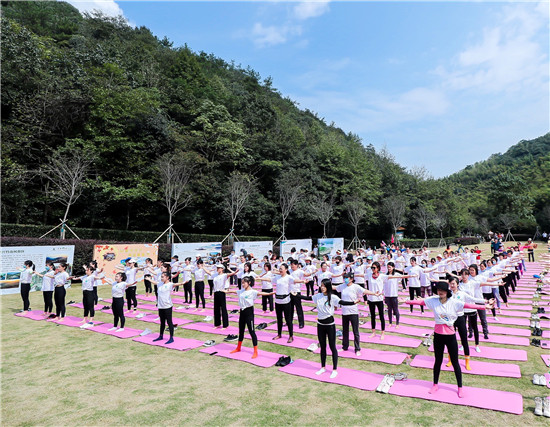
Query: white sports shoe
<point>120,330</point>
<point>320,371</point>
<point>358,353</point>
<point>382,383</point>
<point>114,328</point>
<point>334,374</point>
<point>538,405</point>
<point>546,407</point>
<point>389,383</point>
<point>478,350</point>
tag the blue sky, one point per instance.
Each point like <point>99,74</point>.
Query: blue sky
<point>440,84</point>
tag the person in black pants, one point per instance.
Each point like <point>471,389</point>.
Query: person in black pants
<point>25,284</point>
<point>220,288</point>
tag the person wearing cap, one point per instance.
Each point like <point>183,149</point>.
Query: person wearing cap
<point>131,270</point>
<point>445,310</point>
<point>199,272</point>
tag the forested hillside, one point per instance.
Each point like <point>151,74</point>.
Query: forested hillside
<point>123,98</point>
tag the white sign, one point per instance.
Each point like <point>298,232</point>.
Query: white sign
<point>258,249</point>
<point>288,245</point>
<point>206,250</point>
<point>330,246</point>
<point>13,257</point>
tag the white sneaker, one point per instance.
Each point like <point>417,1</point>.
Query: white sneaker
<point>537,324</point>
<point>120,330</point>
<point>358,353</point>
<point>478,350</point>
<point>532,324</point>
<point>320,371</point>
<point>496,319</point>
<point>536,379</point>
<point>538,405</point>
<point>100,299</point>
<point>542,380</point>
<point>546,407</point>
<point>334,374</point>
<point>140,315</point>
<point>461,348</point>
<point>389,383</point>
<point>114,328</point>
<point>382,383</point>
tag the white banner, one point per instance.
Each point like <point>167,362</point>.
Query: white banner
<point>258,249</point>
<point>205,249</point>
<point>13,257</point>
<point>330,246</point>
<point>287,245</point>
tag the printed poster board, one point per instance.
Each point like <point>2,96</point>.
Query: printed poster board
<point>109,256</point>
<point>205,249</point>
<point>287,245</point>
<point>330,246</point>
<point>259,249</point>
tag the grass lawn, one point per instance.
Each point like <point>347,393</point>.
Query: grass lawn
<point>57,375</point>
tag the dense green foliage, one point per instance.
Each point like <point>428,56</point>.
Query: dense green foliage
<point>95,84</point>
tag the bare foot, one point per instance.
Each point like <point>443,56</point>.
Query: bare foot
<point>396,326</point>
<point>382,336</point>
<point>372,335</point>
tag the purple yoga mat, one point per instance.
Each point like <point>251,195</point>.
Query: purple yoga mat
<point>265,359</point>
<point>478,368</point>
<point>33,315</point>
<point>546,359</point>
<point>495,400</point>
<point>496,353</point>
<point>388,339</point>
<point>104,329</point>
<point>370,355</point>
<point>348,377</point>
<point>72,321</point>
<point>181,344</point>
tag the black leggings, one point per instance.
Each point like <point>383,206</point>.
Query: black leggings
<point>176,280</point>
<point>425,290</point>
<point>460,326</point>
<point>324,331</point>
<point>96,298</point>
<point>372,306</point>
<point>48,302</point>
<point>267,299</point>
<point>246,319</point>
<point>530,256</point>
<point>131,297</point>
<point>296,302</point>
<point>165,315</point>
<point>211,285</point>
<point>156,290</point>
<point>199,293</point>
<point>472,325</point>
<point>188,289</point>
<point>488,297</point>
<point>412,293</point>
<point>59,298</point>
<point>285,309</point>
<point>148,287</point>
<point>309,287</point>
<point>118,311</point>
<point>220,309</point>
<point>25,290</point>
<point>502,293</point>
<point>393,308</point>
<point>440,341</point>
<point>352,319</point>
<point>88,302</point>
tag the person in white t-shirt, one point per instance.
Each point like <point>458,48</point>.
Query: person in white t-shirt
<point>60,279</point>
<point>87,296</point>
<point>246,296</point>
<point>186,270</point>
<point>414,271</point>
<point>199,272</point>
<point>25,279</point>
<point>48,287</point>
<point>391,293</point>
<point>267,286</point>
<point>165,287</point>
<point>309,269</point>
<point>118,288</point>
<point>282,302</point>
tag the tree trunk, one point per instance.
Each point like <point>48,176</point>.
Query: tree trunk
<point>324,230</point>
<point>128,217</point>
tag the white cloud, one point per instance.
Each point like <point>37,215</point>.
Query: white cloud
<point>310,9</point>
<point>273,35</point>
<point>108,7</point>
<point>508,58</point>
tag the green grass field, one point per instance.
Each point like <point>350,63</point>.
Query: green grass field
<point>56,375</point>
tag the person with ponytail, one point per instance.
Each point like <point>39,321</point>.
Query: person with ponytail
<point>326,302</point>
<point>60,279</point>
<point>98,279</point>
<point>48,287</point>
<point>25,279</point>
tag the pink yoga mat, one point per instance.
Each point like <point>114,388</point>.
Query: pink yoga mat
<point>348,377</point>
<point>33,315</point>
<point>265,359</point>
<point>181,344</point>
<point>145,298</point>
<point>546,334</point>
<point>104,329</point>
<point>513,313</point>
<point>478,367</point>
<point>501,339</point>
<point>143,306</point>
<point>80,305</point>
<point>72,321</point>
<point>495,400</point>
<point>370,355</point>
<point>403,329</point>
<point>514,321</point>
<point>131,315</point>
<point>496,353</point>
<point>155,319</point>
<point>546,359</point>
<point>388,339</point>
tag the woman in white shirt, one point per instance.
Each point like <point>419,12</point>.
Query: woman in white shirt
<point>246,296</point>
<point>59,292</point>
<point>97,282</point>
<point>267,287</point>
<point>147,274</point>
<point>187,269</point>
<point>87,296</point>
<point>310,270</point>
<point>165,305</point>
<point>283,305</point>
<point>326,301</point>
<point>118,288</point>
<point>48,287</point>
<point>199,274</point>
<point>391,292</point>
<point>220,287</point>
<point>25,279</point>
<point>131,270</point>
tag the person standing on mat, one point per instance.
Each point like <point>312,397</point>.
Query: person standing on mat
<point>326,329</point>
<point>199,272</point>
<point>60,279</point>
<point>118,288</point>
<point>131,271</point>
<point>98,273</point>
<point>87,296</point>
<point>414,271</point>
<point>25,279</point>
<point>48,287</point>
<point>246,296</point>
<point>147,273</point>
<point>165,287</point>
<point>445,310</point>
<point>267,287</point>
<point>282,302</point>
<point>298,277</point>
<point>221,284</point>
<point>187,269</point>
<point>351,292</point>
<point>391,292</point>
